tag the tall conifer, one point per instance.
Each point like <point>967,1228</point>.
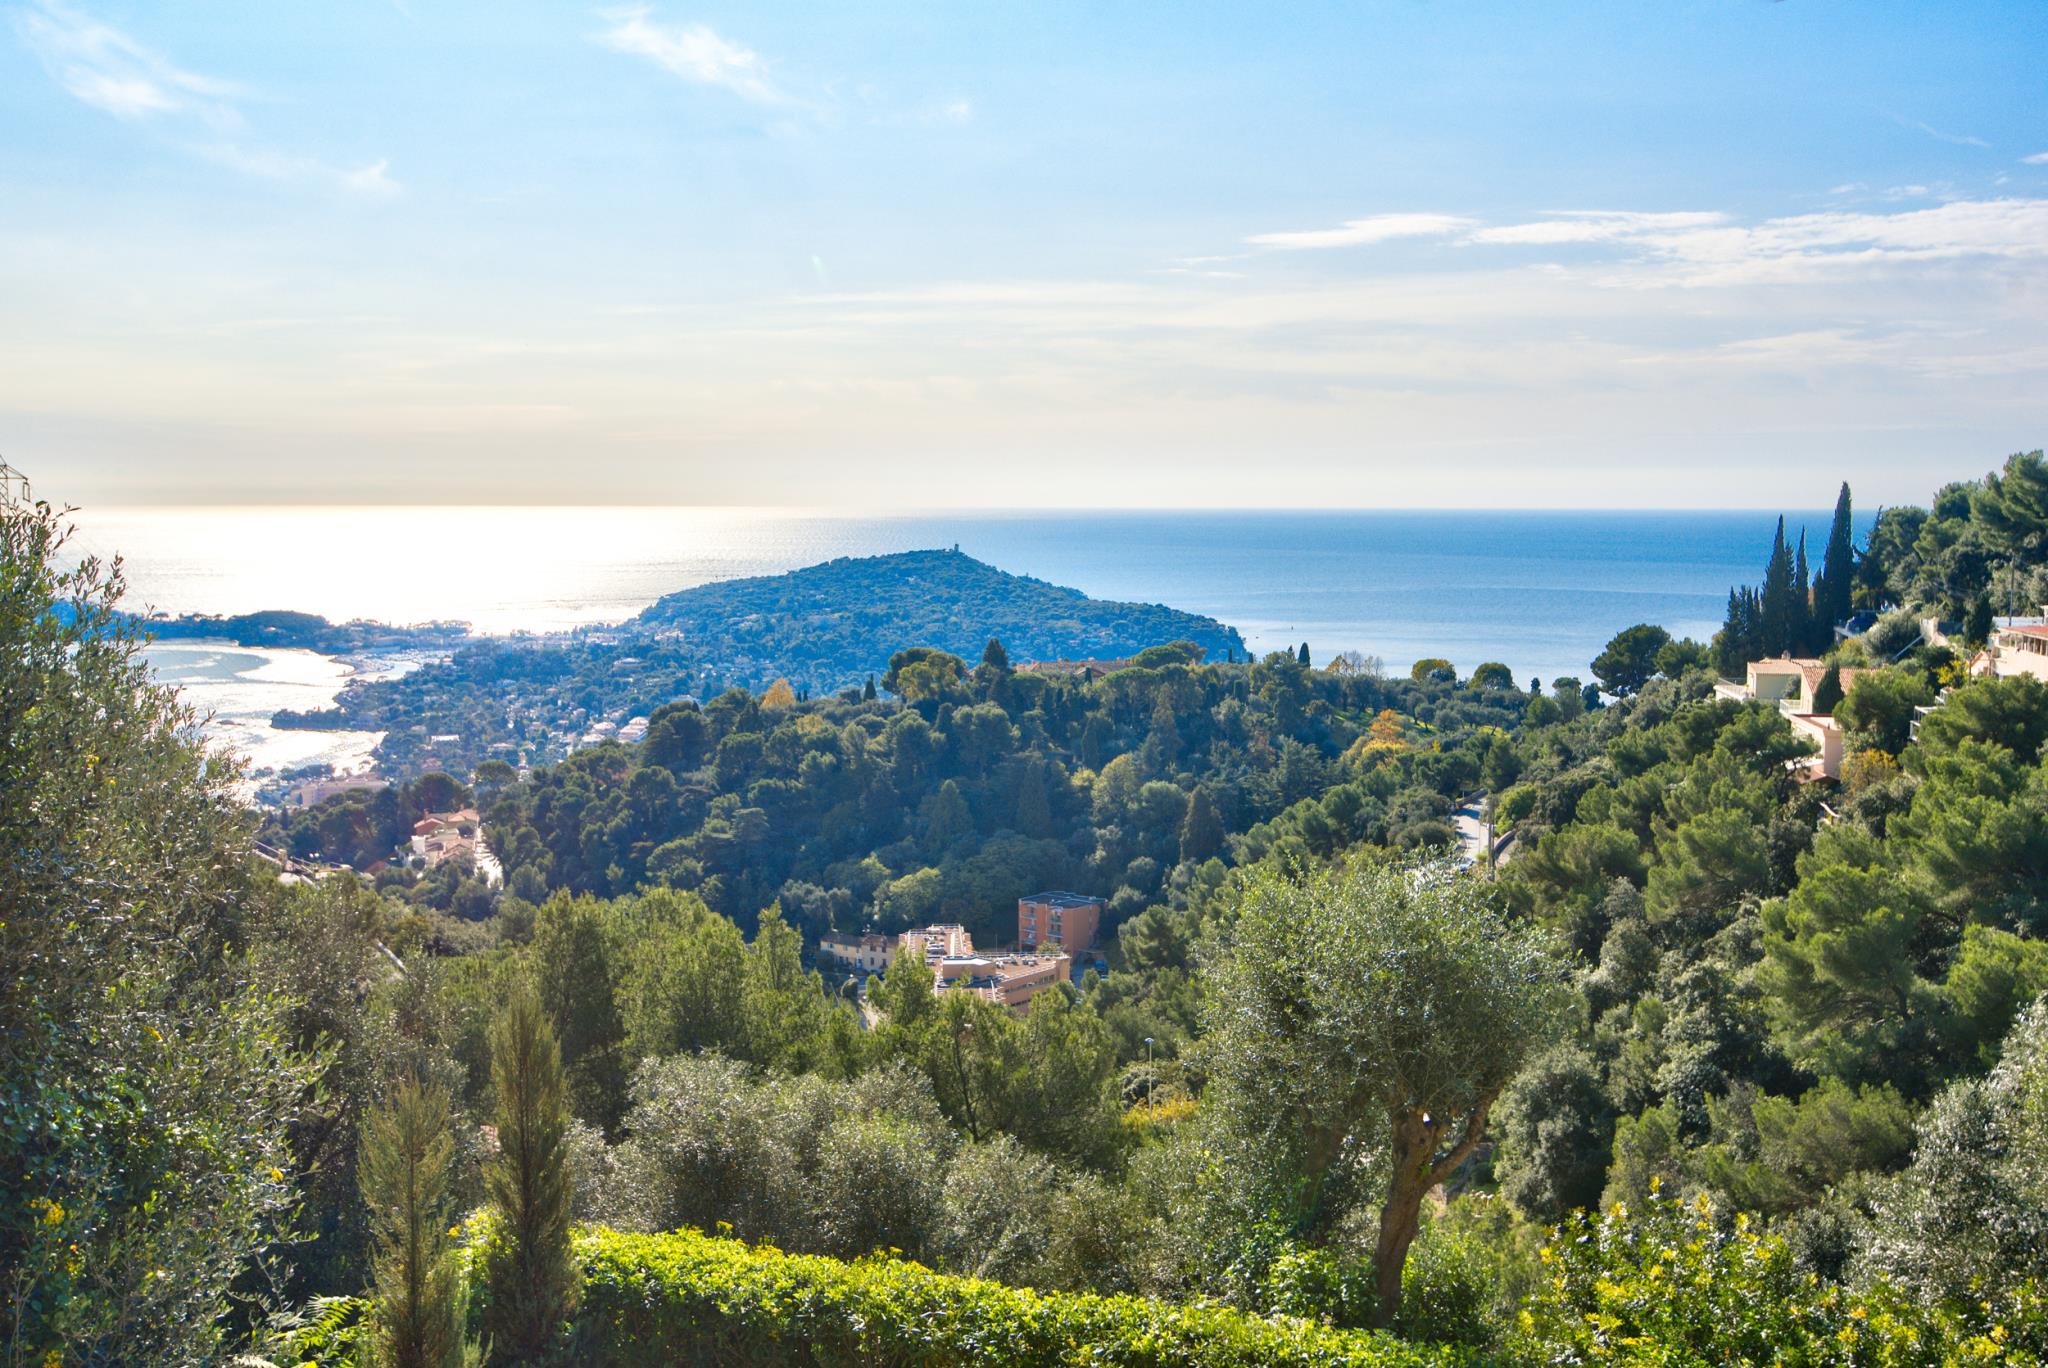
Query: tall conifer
<point>528,1271</point>
<point>1774,627</point>
<point>406,1150</point>
<point>1800,626</point>
<point>1832,590</point>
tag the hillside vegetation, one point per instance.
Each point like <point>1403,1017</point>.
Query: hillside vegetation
<point>831,625</point>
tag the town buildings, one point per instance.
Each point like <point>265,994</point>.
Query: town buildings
<point>868,953</point>
<point>442,836</point>
<point>314,792</point>
<point>1011,980</point>
<point>1075,669</point>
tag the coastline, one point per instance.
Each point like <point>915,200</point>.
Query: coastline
<point>236,690</point>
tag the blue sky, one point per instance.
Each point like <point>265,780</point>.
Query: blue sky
<point>1411,253</point>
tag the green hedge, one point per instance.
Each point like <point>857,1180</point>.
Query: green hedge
<point>687,1298</point>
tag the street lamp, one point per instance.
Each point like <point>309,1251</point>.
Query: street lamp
<point>1150,1079</point>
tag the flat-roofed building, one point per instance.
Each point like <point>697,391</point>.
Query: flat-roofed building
<point>1008,980</point>
<point>939,940</point>
<point>1068,920</point>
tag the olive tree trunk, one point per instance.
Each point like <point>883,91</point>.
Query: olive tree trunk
<point>1415,1137</point>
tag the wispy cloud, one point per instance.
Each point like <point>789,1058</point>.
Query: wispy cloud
<point>1708,247</point>
<point>113,72</point>
<point>694,52</point>
<point>1592,225</point>
<point>1361,232</point>
<point>2037,159</point>
<point>1956,139</point>
<point>1839,245</point>
<point>110,71</point>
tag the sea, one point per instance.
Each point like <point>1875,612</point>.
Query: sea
<point>1541,591</point>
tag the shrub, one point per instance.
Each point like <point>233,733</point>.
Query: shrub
<point>1448,1290</point>
<point>689,1298</point>
<point>1671,1283</point>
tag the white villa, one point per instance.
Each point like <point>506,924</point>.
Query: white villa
<point>2020,647</point>
<point>1789,682</point>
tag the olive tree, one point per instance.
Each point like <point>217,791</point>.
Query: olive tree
<point>1376,1010</point>
<point>148,1076</point>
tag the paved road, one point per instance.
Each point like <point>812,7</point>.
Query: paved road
<point>1473,833</point>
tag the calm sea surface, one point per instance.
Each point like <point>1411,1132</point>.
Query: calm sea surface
<point>1541,591</point>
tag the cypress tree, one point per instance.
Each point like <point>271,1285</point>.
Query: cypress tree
<point>867,695</point>
<point>1832,591</point>
<point>1728,643</point>
<point>1774,626</point>
<point>403,1171</point>
<point>1977,622</point>
<point>995,658</point>
<point>1828,692</point>
<point>530,1277</point>
<point>1801,622</point>
<point>578,966</point>
<point>1201,830</point>
<point>1303,656</point>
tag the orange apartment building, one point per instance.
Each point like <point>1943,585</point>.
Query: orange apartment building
<point>1067,920</point>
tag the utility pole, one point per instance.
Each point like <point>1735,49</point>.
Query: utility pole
<point>13,484</point>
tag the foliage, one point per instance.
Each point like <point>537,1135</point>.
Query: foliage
<point>149,1076</point>
<point>687,1298</point>
<point>1676,1283</point>
<point>1970,1215</point>
<point>1630,659</point>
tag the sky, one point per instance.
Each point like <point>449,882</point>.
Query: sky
<point>1383,253</point>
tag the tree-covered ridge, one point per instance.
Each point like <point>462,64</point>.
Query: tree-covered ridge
<point>819,629</point>
<point>306,631</point>
<point>827,626</point>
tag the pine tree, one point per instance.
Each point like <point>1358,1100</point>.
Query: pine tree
<point>995,658</point>
<point>782,1007</point>
<point>406,1151</point>
<point>528,1271</point>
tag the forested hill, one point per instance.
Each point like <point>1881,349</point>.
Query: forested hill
<point>833,624</point>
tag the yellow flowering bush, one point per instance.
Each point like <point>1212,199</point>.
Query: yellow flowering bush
<point>1673,1283</point>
